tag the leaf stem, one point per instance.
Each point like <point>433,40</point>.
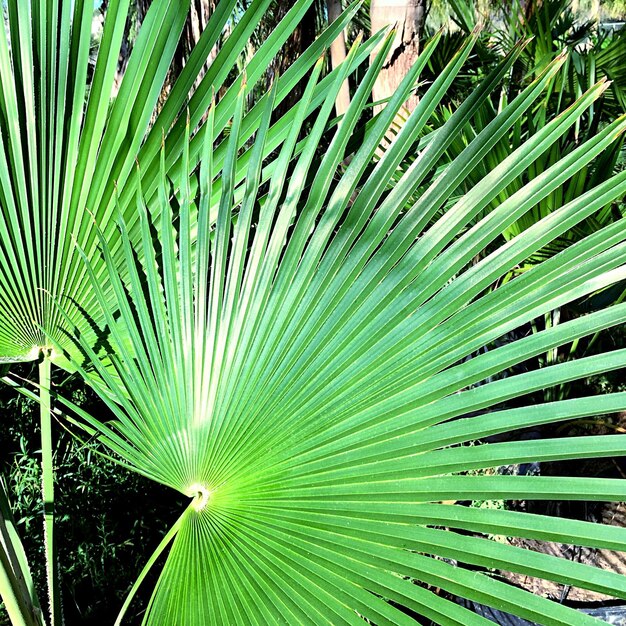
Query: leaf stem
<point>54,588</point>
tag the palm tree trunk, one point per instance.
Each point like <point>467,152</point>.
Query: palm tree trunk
<point>409,17</point>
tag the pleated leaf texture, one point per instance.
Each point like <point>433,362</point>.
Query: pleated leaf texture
<point>308,372</point>
<point>68,145</point>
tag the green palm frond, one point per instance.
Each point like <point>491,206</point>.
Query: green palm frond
<point>307,374</point>
<point>68,150</point>
<point>570,145</point>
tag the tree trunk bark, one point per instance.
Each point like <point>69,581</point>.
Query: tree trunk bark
<point>197,20</point>
<point>337,57</point>
<point>409,17</point>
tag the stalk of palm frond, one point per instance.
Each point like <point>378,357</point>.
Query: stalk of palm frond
<point>16,586</point>
<point>302,374</point>
<point>68,150</point>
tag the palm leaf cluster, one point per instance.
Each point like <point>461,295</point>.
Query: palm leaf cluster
<point>591,55</point>
<point>595,172</point>
<point>306,371</point>
<point>68,151</point>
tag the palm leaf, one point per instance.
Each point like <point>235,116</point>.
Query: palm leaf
<point>68,154</point>
<point>307,374</point>
<point>65,157</point>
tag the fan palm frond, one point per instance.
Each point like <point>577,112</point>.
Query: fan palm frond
<point>303,373</point>
<point>67,151</point>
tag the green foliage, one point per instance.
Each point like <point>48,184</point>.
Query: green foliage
<point>18,598</point>
<point>313,345</point>
<point>308,374</point>
<point>85,145</point>
<point>107,514</point>
<point>68,154</point>
<point>587,55</point>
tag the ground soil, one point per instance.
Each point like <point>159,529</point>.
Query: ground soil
<point>611,513</point>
